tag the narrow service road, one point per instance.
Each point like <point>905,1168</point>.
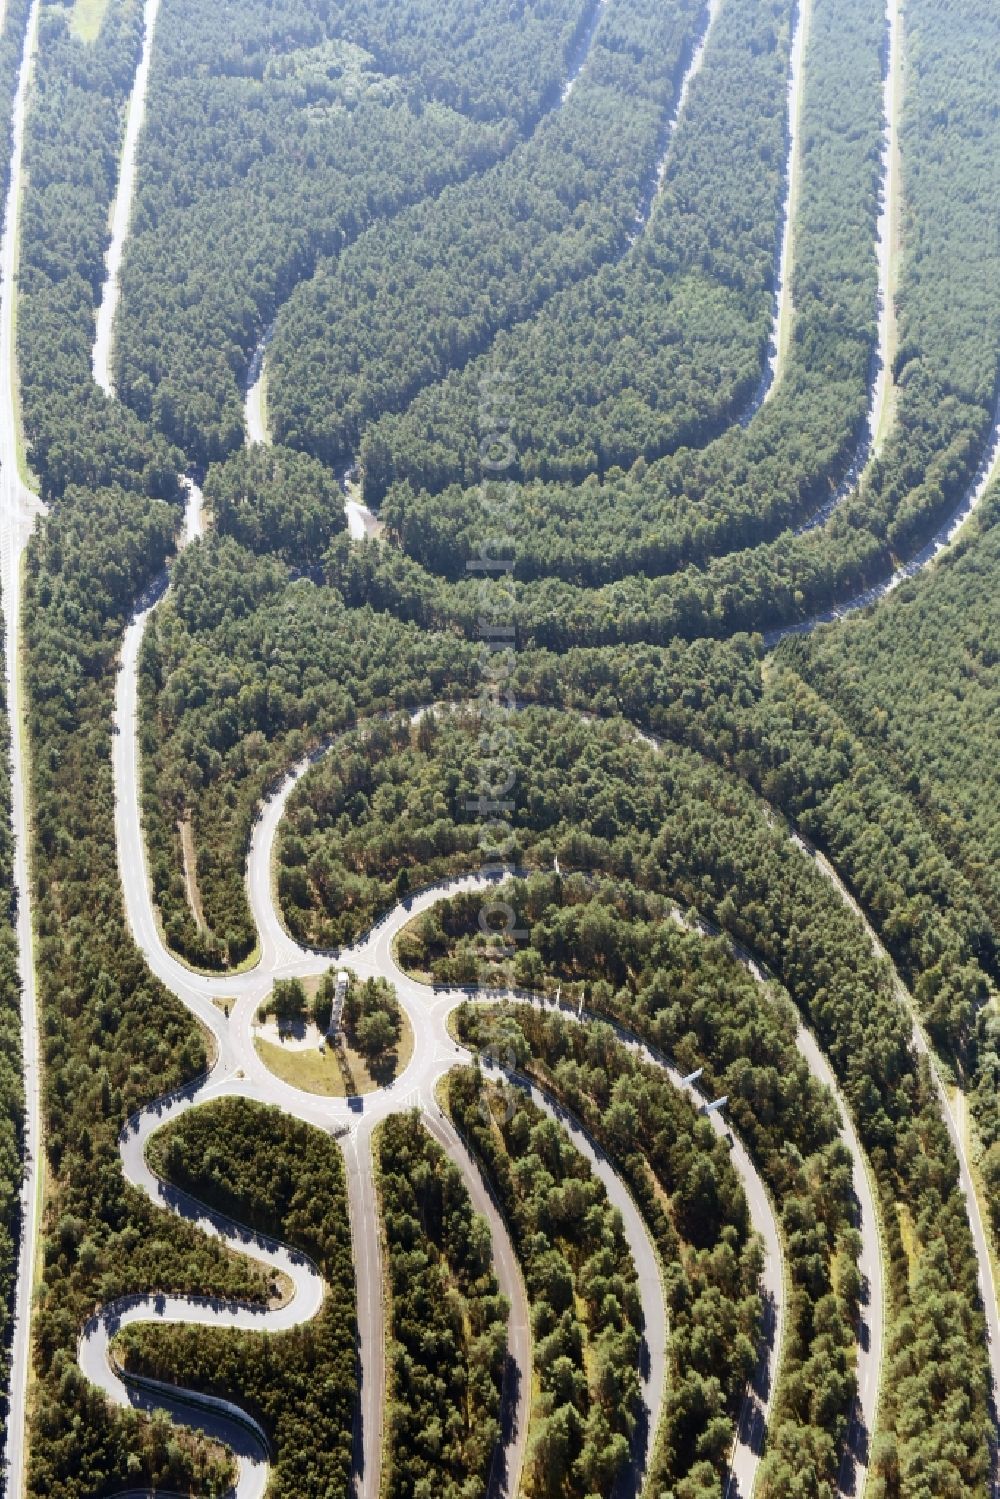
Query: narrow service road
<point>19,510</point>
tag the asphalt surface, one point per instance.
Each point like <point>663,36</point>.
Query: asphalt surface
<point>989,470</point>
<point>939,545</point>
<point>253,409</point>
<point>856,1455</point>
<point>216,1418</point>
<point>238,1070</point>
<point>887,227</point>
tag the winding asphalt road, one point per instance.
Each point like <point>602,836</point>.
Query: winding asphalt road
<point>436,1052</point>
<point>228,1075</point>
<point>988,473</point>
<point>216,1418</point>
<point>239,1069</point>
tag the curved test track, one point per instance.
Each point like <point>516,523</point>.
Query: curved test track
<point>240,1070</point>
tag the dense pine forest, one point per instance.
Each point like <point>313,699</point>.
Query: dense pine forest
<point>620,771</point>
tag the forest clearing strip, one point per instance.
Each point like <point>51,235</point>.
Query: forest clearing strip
<point>122,212</point>
<point>784,313</point>
<point>935,550</point>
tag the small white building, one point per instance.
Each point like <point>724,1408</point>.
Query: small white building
<point>337,1008</point>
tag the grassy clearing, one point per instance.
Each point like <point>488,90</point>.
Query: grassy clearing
<point>312,1071</point>
<point>190,860</point>
<point>87,17</point>
<point>334,1072</point>
<point>257,401</point>
<point>911,1243</point>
